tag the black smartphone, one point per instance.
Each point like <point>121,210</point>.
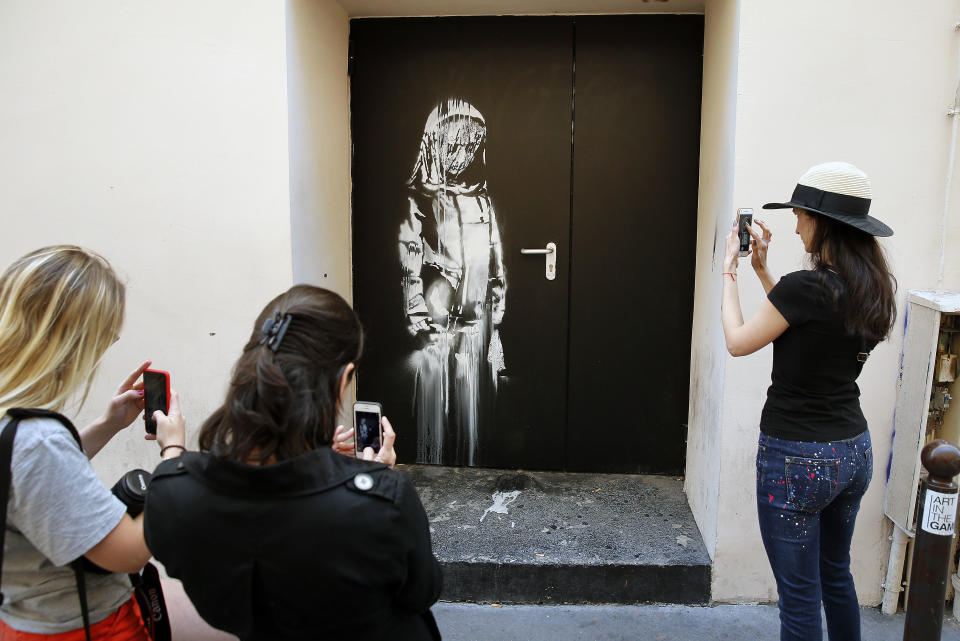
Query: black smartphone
<point>156,396</point>
<point>368,432</point>
<point>744,218</point>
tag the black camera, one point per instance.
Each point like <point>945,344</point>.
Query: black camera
<point>131,489</point>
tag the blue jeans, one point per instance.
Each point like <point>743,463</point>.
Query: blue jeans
<point>808,496</point>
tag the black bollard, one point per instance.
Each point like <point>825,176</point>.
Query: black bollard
<point>931,553</point>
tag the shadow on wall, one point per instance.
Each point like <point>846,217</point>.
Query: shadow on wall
<point>186,624</point>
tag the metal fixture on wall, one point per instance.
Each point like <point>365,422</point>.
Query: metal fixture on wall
<point>923,413</point>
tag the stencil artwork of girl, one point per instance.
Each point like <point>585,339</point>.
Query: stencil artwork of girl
<point>454,284</point>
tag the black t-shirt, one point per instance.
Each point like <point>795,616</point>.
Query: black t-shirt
<point>814,394</point>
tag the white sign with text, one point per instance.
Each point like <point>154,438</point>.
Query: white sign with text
<point>939,513</point>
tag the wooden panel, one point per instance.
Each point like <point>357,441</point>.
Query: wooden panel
<point>910,418</point>
<point>633,251</point>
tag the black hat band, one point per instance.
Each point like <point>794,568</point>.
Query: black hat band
<point>807,197</point>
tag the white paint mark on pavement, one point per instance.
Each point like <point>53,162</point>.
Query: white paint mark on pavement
<point>500,502</point>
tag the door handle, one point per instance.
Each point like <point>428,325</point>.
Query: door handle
<point>550,258</point>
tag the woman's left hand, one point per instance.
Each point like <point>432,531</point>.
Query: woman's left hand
<point>733,248</point>
<point>759,245</point>
<point>386,453</point>
<point>343,441</point>
<point>127,402</point>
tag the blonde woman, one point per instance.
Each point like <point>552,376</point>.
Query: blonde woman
<point>61,307</point>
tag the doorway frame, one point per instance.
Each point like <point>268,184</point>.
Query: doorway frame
<point>318,95</point>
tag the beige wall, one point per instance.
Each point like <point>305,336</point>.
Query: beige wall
<point>319,107</point>
<point>707,356</point>
<point>869,85</point>
<point>155,133</point>
<point>949,232</point>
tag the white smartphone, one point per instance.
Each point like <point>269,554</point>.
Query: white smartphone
<point>744,218</point>
<point>367,430</point>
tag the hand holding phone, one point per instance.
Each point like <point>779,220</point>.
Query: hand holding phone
<point>744,218</point>
<point>367,428</point>
<point>156,396</point>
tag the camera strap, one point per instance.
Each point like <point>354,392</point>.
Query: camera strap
<point>153,607</point>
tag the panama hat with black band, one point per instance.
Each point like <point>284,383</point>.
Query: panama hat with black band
<point>837,190</point>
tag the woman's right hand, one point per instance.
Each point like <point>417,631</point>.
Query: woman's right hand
<point>386,454</point>
<point>759,244</point>
<point>171,428</point>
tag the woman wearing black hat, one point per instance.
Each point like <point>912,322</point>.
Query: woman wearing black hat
<point>814,460</point>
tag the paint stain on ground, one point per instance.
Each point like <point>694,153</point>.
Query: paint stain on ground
<point>500,502</point>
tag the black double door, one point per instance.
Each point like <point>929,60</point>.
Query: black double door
<point>475,139</point>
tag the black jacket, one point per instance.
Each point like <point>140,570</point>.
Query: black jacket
<point>302,549</point>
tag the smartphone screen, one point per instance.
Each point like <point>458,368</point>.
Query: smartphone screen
<point>155,389</point>
<point>745,217</point>
<point>367,428</point>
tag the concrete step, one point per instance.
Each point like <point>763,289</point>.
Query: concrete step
<point>554,537</point>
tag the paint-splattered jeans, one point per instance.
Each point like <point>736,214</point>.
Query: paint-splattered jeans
<point>808,495</point>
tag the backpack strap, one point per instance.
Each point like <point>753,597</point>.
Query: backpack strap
<point>17,414</point>
<point>6,454</point>
<point>21,413</point>
<point>77,566</point>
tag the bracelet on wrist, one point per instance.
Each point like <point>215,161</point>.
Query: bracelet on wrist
<point>732,275</point>
<point>167,447</point>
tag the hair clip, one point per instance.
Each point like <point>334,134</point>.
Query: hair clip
<point>274,329</point>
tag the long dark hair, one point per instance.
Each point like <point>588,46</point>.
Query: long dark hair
<point>856,256</point>
<point>284,403</point>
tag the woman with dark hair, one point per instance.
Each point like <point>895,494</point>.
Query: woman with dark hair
<point>276,535</point>
<point>814,460</point>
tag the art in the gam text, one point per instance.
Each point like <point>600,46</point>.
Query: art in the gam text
<point>939,513</point>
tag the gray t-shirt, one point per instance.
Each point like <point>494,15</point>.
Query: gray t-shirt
<point>58,510</point>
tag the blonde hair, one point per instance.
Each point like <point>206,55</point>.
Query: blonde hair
<point>61,307</point>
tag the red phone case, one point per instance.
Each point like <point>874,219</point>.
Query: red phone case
<point>166,377</point>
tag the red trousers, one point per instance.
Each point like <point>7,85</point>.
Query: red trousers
<point>123,625</point>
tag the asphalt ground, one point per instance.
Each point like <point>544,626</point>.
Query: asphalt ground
<point>476,622</point>
<point>487,622</point>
